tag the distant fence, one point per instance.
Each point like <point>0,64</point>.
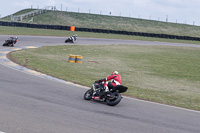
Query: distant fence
<point>60,27</point>
<point>28,14</point>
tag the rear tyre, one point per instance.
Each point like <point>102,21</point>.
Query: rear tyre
<point>67,40</point>
<point>114,101</point>
<point>88,94</point>
<point>5,44</point>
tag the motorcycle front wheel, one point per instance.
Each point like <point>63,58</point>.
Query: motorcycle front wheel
<point>114,100</point>
<point>88,94</point>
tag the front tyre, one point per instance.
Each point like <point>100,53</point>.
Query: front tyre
<point>114,100</point>
<point>88,94</point>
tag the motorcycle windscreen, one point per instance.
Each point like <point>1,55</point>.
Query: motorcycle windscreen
<point>120,88</point>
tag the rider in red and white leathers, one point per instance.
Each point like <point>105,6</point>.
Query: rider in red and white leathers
<point>115,80</point>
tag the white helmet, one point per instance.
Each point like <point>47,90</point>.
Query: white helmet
<point>115,72</point>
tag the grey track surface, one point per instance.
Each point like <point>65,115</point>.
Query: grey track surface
<point>30,104</point>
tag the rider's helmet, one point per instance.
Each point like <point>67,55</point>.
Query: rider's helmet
<point>115,72</point>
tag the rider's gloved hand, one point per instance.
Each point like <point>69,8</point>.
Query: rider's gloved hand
<point>97,81</point>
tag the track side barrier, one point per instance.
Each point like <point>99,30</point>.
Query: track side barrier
<point>72,28</point>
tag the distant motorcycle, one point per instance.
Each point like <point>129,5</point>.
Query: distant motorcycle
<point>112,98</point>
<point>71,39</point>
<point>11,41</point>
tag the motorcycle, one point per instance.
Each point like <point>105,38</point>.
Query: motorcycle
<point>71,39</point>
<point>11,41</point>
<point>112,97</point>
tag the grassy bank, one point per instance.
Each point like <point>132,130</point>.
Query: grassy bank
<point>116,23</point>
<point>86,20</point>
<point>164,74</point>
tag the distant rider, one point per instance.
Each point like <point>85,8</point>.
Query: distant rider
<point>73,38</point>
<point>115,80</point>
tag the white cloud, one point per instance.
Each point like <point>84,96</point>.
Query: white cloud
<point>21,4</point>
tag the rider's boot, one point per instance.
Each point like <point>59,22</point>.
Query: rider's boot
<point>106,88</point>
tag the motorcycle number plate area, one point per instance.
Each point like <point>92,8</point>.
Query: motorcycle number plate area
<point>96,98</point>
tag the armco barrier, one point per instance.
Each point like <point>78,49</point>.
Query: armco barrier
<point>60,27</point>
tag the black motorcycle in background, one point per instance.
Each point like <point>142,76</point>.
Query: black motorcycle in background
<point>11,41</point>
<point>71,39</point>
<point>112,98</point>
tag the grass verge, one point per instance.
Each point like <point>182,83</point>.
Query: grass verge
<point>168,75</point>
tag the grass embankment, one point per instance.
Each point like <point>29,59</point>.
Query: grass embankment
<point>116,23</point>
<point>111,22</point>
<point>8,18</point>
<point>168,75</point>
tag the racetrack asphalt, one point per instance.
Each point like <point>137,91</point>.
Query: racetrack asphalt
<point>33,104</point>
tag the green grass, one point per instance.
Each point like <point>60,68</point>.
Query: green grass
<point>163,74</point>
<point>111,22</point>
<point>116,23</point>
<point>7,18</point>
<point>24,11</point>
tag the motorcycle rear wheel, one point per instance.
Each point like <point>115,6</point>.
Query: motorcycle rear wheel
<point>115,101</point>
<point>88,94</point>
<point>5,44</point>
<point>67,40</point>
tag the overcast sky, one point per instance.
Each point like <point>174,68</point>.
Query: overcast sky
<point>180,11</point>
